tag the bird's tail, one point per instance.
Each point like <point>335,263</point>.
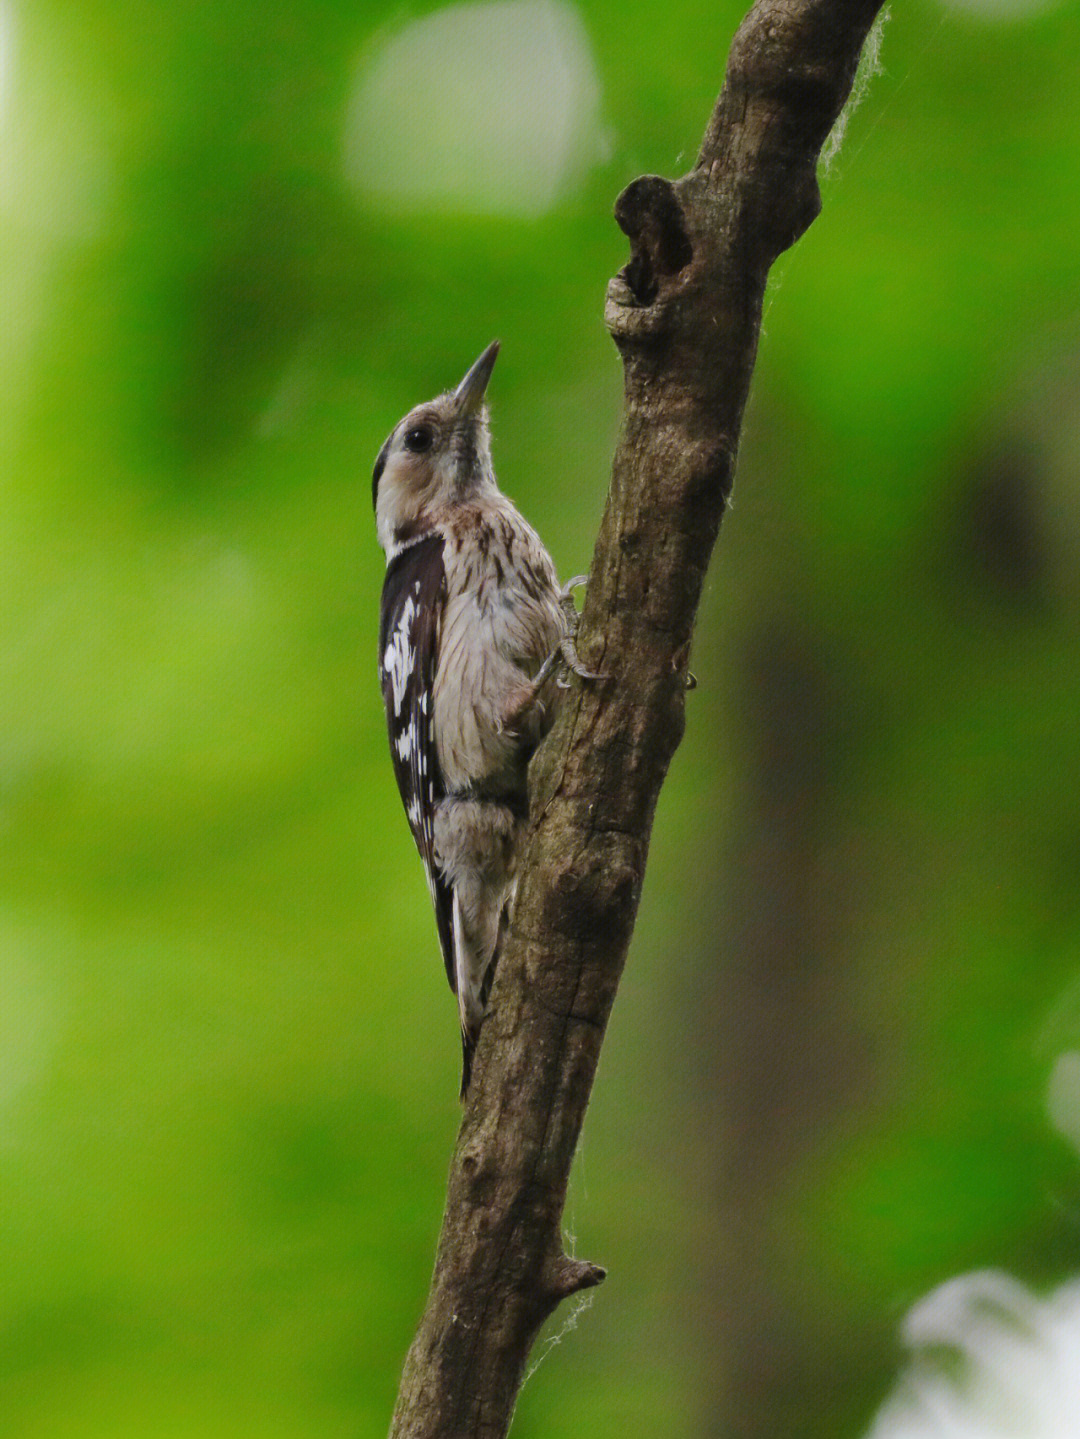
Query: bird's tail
<point>470,1033</point>
<point>468,1049</point>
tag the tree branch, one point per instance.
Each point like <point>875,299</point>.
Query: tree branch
<point>685,313</point>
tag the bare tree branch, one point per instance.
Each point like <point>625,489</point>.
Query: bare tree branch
<point>685,313</point>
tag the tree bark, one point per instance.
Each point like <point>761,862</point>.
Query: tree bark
<point>685,313</point>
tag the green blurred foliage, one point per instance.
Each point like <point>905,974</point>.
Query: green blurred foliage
<point>227,1054</point>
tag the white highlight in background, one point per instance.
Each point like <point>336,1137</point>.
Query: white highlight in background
<point>481,109</point>
<point>991,1360</point>
<point>1063,1097</point>
<point>5,61</point>
<point>55,171</point>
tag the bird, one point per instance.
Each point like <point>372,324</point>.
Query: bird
<point>475,638</point>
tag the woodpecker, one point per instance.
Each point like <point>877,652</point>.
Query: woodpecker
<point>474,630</point>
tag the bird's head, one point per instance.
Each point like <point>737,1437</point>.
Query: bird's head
<point>436,457</point>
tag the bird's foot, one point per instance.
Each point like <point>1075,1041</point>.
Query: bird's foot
<point>566,599</point>
<point>565,655</point>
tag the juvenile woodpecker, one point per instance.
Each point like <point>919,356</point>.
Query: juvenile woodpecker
<point>472,623</point>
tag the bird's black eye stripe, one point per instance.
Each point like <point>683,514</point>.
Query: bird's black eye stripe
<point>419,438</point>
<point>376,476</point>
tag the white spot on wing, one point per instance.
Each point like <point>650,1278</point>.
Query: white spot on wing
<point>407,741</point>
<point>400,658</point>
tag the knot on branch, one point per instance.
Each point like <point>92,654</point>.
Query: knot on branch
<point>650,215</point>
<point>564,1276</point>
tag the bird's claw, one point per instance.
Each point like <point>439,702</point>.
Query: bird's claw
<point>565,651</point>
<point>566,602</point>
<point>569,656</point>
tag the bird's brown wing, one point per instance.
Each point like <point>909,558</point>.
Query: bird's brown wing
<point>414,593</point>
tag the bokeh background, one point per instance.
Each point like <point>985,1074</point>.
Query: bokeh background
<point>832,1160</point>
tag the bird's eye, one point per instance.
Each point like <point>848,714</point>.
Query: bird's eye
<point>419,439</point>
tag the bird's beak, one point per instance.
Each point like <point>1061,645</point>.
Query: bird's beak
<point>469,395</point>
